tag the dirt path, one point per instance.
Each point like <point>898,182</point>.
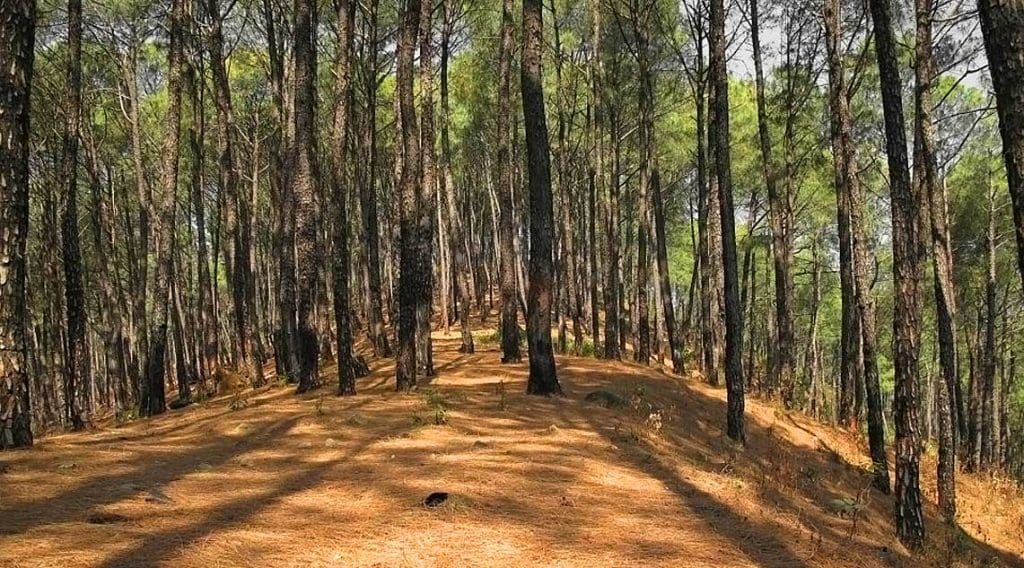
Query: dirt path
<point>271,479</point>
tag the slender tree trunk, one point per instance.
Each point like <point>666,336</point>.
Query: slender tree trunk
<point>907,276</point>
<point>942,259</point>
<point>509,257</point>
<point>153,396</point>
<point>781,372</point>
<point>77,372</point>
<point>542,378</point>
<point>346,13</point>
<point>988,370</point>
<point>1002,25</point>
<point>368,198</point>
<point>719,141</point>
<point>17,40</point>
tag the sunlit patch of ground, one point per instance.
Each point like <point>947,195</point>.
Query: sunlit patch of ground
<point>272,479</point>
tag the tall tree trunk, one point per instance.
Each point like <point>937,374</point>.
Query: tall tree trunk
<point>781,372</point>
<point>303,193</point>
<point>410,284</point>
<point>988,372</point>
<point>346,14</point>
<point>428,186</point>
<point>506,228</point>
<point>542,378</point>
<point>1002,25</point>
<point>17,40</point>
<point>456,235</point>
<point>153,396</point>
<point>77,373</point>
<point>368,197</point>
<point>907,276</point>
<point>942,259</point>
<point>719,142</point>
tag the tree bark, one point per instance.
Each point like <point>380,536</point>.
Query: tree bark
<point>153,395</point>
<point>17,40</point>
<point>77,372</point>
<point>1002,25</point>
<point>719,141</point>
<point>542,379</point>
<point>942,258</point>
<point>410,284</point>
<point>506,228</point>
<point>907,276</point>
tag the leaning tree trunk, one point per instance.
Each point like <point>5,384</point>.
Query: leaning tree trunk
<point>1002,25</point>
<point>76,356</point>
<point>719,143</point>
<point>153,396</point>
<point>542,379</point>
<point>907,276</point>
<point>17,38</point>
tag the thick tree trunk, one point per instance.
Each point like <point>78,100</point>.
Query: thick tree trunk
<point>542,378</point>
<point>17,40</point>
<point>153,396</point>
<point>907,276</point>
<point>302,191</point>
<point>719,141</point>
<point>410,283</point>
<point>426,212</point>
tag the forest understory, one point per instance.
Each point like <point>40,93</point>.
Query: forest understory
<point>631,467</point>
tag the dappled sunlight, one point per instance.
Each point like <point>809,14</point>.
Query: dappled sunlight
<point>267,478</point>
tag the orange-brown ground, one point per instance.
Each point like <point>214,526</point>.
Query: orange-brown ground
<point>271,479</point>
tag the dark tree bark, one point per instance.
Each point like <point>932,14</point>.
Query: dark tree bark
<point>426,211</point>
<point>942,259</point>
<point>302,191</point>
<point>907,276</point>
<point>989,378</point>
<point>780,213</point>
<point>346,14</point>
<point>409,285</point>
<point>17,40</point>
<point>1002,25</point>
<point>509,288</point>
<point>719,142</point>
<point>368,197</point>
<point>542,379</point>
<point>152,395</point>
<point>77,371</point>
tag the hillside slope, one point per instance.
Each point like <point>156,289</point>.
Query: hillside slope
<point>270,479</point>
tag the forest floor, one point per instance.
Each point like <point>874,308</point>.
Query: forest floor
<point>268,478</point>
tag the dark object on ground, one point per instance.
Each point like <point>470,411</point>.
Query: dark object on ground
<point>606,399</point>
<point>435,499</point>
<point>179,403</point>
<point>106,518</point>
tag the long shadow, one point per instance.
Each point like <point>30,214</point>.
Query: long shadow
<point>162,545</point>
<point>113,488</point>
